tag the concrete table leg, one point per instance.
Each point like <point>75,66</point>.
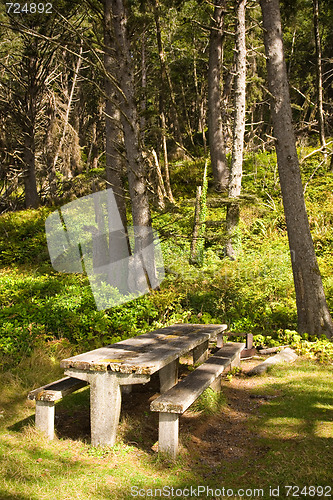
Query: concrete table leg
<point>168,434</point>
<point>44,417</point>
<point>168,376</point>
<point>200,353</point>
<point>105,403</point>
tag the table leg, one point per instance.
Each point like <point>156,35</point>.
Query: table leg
<point>44,418</point>
<point>105,403</point>
<point>200,353</point>
<point>168,376</point>
<point>168,434</point>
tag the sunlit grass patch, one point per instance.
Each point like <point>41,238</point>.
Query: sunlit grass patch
<point>208,403</point>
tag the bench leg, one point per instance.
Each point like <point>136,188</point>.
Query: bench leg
<point>216,385</point>
<point>44,418</point>
<point>168,376</point>
<point>105,403</point>
<point>200,353</point>
<point>236,361</point>
<point>168,434</point>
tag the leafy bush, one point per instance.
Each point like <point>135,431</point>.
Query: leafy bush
<point>305,345</point>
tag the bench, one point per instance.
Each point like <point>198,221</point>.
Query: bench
<point>47,396</point>
<point>172,403</point>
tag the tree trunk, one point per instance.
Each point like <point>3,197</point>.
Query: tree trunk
<point>312,310</point>
<point>215,128</point>
<point>113,132</point>
<point>30,184</point>
<point>143,97</point>
<point>166,80</point>
<point>166,161</point>
<point>68,109</point>
<point>135,164</point>
<point>235,182</point>
<point>28,127</point>
<point>319,73</point>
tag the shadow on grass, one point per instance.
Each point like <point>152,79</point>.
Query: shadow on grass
<point>9,496</point>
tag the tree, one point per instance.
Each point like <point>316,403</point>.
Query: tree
<point>236,170</point>
<point>113,129</point>
<point>312,310</point>
<point>319,73</point>
<point>136,169</point>
<point>215,128</point>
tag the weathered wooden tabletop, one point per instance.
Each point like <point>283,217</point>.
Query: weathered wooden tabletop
<point>146,353</point>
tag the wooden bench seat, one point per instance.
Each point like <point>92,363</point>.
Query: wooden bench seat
<point>47,396</point>
<point>179,398</point>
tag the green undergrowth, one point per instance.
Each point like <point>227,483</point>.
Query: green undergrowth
<point>284,438</point>
<point>312,347</point>
<point>209,402</point>
<point>254,293</point>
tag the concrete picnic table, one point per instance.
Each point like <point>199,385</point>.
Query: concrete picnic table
<point>133,361</point>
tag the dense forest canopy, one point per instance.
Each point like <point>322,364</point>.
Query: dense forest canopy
<point>52,89</point>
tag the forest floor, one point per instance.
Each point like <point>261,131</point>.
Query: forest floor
<point>266,432</point>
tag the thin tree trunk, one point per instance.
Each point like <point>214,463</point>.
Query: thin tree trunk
<point>199,102</point>
<point>215,128</point>
<point>29,153</point>
<point>319,72</point>
<point>160,188</point>
<point>312,310</point>
<point>143,101</point>
<point>30,184</point>
<point>68,110</point>
<point>196,228</point>
<point>165,78</point>
<point>236,171</point>
<point>166,161</point>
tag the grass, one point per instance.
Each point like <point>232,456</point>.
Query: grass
<point>288,442</point>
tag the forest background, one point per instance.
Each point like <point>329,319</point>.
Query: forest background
<point>72,125</point>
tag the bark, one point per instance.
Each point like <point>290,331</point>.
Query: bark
<point>312,310</point>
<point>113,132</point>
<point>159,183</point>
<point>92,159</point>
<point>166,81</point>
<point>235,182</point>
<point>28,126</point>
<point>215,128</point>
<point>143,102</point>
<point>200,111</point>
<point>166,162</point>
<point>196,228</point>
<point>68,110</point>
<point>136,170</point>
<point>30,184</point>
<point>319,72</point>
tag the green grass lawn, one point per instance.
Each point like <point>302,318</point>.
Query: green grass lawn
<point>285,439</point>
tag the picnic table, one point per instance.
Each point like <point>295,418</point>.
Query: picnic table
<point>133,361</point>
